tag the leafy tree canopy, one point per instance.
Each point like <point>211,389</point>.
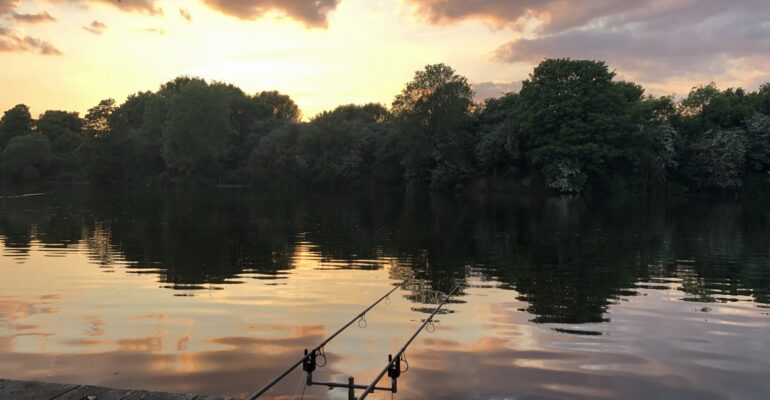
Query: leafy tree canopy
<point>15,122</point>
<point>26,158</point>
<point>574,117</point>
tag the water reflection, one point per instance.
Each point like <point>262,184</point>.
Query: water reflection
<point>217,291</point>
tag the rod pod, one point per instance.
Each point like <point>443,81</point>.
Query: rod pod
<point>393,360</point>
<point>393,367</point>
<point>312,353</point>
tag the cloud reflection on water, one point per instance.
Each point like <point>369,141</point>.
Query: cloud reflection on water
<point>218,293</point>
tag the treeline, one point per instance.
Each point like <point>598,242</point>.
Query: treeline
<point>571,128</point>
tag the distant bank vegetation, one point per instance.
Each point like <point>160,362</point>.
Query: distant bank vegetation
<point>571,128</point>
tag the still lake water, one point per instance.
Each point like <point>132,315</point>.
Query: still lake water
<point>217,292</point>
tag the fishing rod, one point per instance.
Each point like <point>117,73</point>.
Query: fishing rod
<point>393,367</point>
<point>310,357</point>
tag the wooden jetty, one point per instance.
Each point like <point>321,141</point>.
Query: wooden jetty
<point>27,390</point>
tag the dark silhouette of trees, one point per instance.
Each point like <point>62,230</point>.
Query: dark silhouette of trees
<point>499,148</point>
<point>433,118</point>
<point>196,130</point>
<point>758,143</point>
<point>64,131</point>
<point>347,139</point>
<point>572,128</point>
<point>278,106</point>
<point>15,122</point>
<point>26,158</point>
<point>574,117</point>
<point>97,120</point>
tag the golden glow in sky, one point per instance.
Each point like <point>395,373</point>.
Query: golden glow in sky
<point>366,54</point>
<point>328,52</point>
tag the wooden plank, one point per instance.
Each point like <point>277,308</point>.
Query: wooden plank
<point>23,390</point>
<point>98,393</point>
<point>16,390</point>
<point>144,395</point>
<point>7,386</point>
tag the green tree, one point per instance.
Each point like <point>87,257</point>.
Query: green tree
<point>26,158</point>
<point>245,114</point>
<point>16,121</point>
<point>131,114</point>
<point>107,150</point>
<point>717,160</point>
<point>573,117</point>
<point>137,125</point>
<point>649,154</point>
<point>274,158</point>
<point>758,143</point>
<point>64,131</point>
<point>107,160</point>
<point>499,147</point>
<point>279,106</point>
<point>97,119</point>
<point>338,147</point>
<point>175,85</point>
<point>433,116</point>
<point>706,108</point>
<point>762,99</point>
<point>196,130</point>
<point>650,158</point>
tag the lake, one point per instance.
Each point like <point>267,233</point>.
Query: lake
<point>218,291</point>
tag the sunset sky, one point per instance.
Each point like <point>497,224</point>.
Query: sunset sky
<point>69,54</point>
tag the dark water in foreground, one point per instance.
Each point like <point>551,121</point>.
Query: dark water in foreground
<point>217,292</point>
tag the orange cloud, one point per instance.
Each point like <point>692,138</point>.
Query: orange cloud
<point>6,6</point>
<point>185,14</point>
<point>34,18</point>
<point>142,6</point>
<point>497,12</point>
<point>10,41</point>
<point>96,27</point>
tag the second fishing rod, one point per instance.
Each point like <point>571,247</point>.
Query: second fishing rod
<point>310,355</point>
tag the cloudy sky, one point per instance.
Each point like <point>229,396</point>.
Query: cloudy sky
<point>69,54</point>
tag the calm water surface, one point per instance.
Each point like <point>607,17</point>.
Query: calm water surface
<point>217,292</point>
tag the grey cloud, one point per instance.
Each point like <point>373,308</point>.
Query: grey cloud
<point>486,90</point>
<point>96,27</point>
<point>650,40</point>
<point>661,47</point>
<point>10,41</point>
<point>33,18</point>
<point>561,15</point>
<point>312,13</point>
